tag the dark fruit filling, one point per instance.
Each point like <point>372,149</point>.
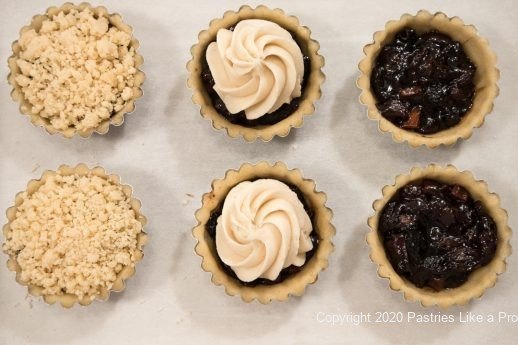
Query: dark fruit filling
<point>210,227</point>
<point>240,118</point>
<point>435,234</point>
<point>423,83</point>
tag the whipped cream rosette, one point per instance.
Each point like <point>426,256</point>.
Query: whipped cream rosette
<point>257,67</point>
<point>263,228</point>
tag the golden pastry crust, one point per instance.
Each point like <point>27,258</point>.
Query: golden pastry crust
<point>479,280</point>
<point>294,285</point>
<point>74,235</point>
<point>75,70</point>
<point>476,48</point>
<point>311,93</point>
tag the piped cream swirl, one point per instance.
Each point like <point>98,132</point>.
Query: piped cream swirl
<point>263,228</point>
<point>257,67</point>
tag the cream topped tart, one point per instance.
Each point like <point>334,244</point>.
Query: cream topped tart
<point>255,72</point>
<point>263,231</point>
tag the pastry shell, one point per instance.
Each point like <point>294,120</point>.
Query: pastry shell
<point>480,279</point>
<point>116,119</point>
<point>294,285</point>
<point>311,93</point>
<point>68,300</point>
<point>485,79</point>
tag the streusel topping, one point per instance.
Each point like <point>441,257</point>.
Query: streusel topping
<point>77,70</point>
<point>74,235</point>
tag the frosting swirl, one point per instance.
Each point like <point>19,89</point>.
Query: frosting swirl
<point>257,67</point>
<point>262,229</point>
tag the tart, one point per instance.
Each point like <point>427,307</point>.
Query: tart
<point>264,232</point>
<point>428,79</point>
<point>74,235</point>
<point>439,236</point>
<point>263,90</point>
<point>75,70</point>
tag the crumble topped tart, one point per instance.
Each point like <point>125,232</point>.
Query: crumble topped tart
<point>74,235</point>
<point>76,68</point>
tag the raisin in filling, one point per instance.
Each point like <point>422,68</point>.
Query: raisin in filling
<point>423,83</point>
<point>240,118</point>
<point>287,272</point>
<point>435,234</point>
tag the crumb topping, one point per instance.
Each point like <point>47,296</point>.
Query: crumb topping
<point>77,70</point>
<point>74,235</point>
